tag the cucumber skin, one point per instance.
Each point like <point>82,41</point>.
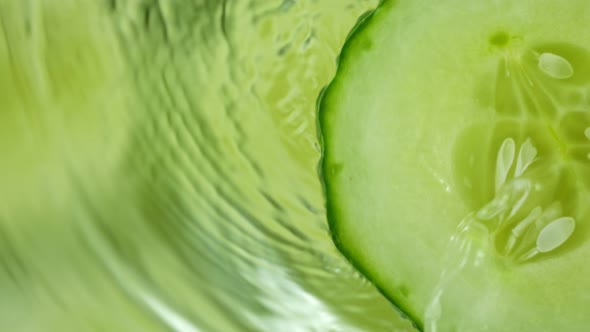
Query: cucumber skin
<point>347,52</point>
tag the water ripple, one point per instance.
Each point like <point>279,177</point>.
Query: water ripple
<point>164,176</point>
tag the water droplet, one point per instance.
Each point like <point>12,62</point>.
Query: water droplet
<point>555,66</point>
<point>504,161</point>
<point>555,234</point>
<point>587,133</point>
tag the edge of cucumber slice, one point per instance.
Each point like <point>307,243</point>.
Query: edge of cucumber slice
<point>360,203</point>
<point>365,21</point>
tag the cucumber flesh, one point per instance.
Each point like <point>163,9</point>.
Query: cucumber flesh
<point>457,161</point>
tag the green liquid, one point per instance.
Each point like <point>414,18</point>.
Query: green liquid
<point>159,168</point>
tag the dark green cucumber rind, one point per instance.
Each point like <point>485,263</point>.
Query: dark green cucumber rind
<point>347,53</point>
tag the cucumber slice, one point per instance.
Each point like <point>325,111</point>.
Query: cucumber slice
<point>457,161</point>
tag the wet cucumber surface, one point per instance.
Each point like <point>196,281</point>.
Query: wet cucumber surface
<point>457,161</point>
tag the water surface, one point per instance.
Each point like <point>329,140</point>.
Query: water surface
<point>159,168</point>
